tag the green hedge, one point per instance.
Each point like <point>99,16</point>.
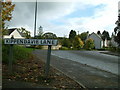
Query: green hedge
<point>5,53</point>
<point>113,49</point>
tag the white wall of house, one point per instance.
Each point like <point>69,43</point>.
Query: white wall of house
<point>101,45</point>
<point>97,41</point>
<point>15,34</point>
<point>105,43</point>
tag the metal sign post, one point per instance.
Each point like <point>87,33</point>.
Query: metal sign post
<point>48,61</point>
<point>10,57</point>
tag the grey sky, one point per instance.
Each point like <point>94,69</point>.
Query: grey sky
<point>23,15</point>
<point>61,17</point>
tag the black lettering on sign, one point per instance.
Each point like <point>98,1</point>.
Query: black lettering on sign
<point>25,41</point>
<point>28,41</point>
<point>12,40</point>
<point>52,42</point>
<point>48,42</point>
<point>7,41</point>
<point>37,42</point>
<point>31,41</point>
<point>20,41</point>
<point>44,41</point>
<point>40,41</point>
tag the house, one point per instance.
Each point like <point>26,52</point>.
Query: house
<point>98,42</point>
<point>15,33</point>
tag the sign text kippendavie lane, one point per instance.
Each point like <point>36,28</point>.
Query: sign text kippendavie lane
<point>32,41</point>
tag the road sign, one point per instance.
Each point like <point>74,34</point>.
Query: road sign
<point>48,42</point>
<point>31,41</point>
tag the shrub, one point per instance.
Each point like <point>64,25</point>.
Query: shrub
<point>118,50</point>
<point>66,42</point>
<point>21,53</point>
<point>64,48</point>
<point>114,49</point>
<point>78,43</point>
<point>89,44</point>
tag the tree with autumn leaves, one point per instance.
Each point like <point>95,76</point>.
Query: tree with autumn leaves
<point>6,13</point>
<point>75,40</point>
<point>89,44</point>
<point>78,43</point>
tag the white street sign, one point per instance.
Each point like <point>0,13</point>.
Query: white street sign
<point>32,41</point>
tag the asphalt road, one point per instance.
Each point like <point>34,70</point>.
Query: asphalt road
<point>90,68</point>
<point>92,58</point>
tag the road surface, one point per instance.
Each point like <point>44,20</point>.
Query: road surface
<point>92,58</point>
<point>91,68</point>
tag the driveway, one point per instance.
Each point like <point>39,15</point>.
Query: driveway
<point>90,68</point>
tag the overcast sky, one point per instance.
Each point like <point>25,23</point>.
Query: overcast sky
<point>61,17</point>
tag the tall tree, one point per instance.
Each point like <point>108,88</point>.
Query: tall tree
<point>24,32</point>
<point>98,32</point>
<point>7,8</point>
<point>105,35</point>
<point>117,31</point>
<point>83,36</point>
<point>66,42</point>
<point>72,35</point>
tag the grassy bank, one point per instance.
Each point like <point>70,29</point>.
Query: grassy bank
<point>19,53</point>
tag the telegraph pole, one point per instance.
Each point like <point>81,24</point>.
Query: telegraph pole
<point>35,19</point>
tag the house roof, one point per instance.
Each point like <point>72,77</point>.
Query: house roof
<point>13,29</point>
<point>96,35</point>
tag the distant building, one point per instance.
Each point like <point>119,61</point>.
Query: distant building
<point>98,42</point>
<point>15,33</point>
